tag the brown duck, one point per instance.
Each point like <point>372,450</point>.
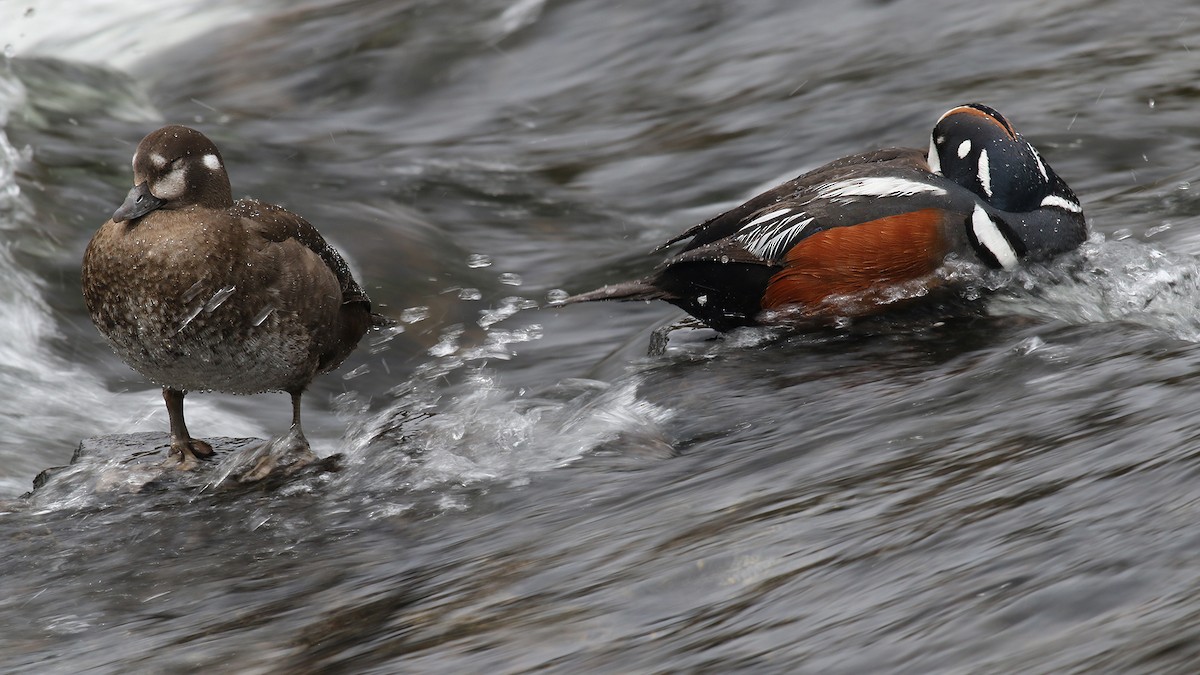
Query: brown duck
<point>198,292</point>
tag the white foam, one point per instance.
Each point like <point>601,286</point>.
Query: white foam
<point>98,32</point>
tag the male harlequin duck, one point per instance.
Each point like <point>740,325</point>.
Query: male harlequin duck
<point>198,292</point>
<point>861,232</point>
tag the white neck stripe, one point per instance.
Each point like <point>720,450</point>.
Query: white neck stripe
<point>991,239</point>
<point>1055,201</point>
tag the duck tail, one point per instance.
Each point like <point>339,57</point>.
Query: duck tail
<point>626,290</point>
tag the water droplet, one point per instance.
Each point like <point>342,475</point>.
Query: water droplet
<point>510,279</point>
<point>188,319</point>
<point>219,297</point>
<point>477,260</point>
<point>447,344</point>
<point>1157,230</point>
<point>469,294</point>
<point>192,292</point>
<point>1151,102</point>
<point>357,372</point>
<point>702,300</point>
<point>724,259</point>
<point>557,295</point>
<point>379,339</point>
<point>262,315</point>
<point>414,314</point>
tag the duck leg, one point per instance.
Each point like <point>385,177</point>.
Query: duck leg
<point>289,451</point>
<point>185,450</point>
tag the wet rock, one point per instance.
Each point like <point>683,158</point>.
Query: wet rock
<point>139,462</point>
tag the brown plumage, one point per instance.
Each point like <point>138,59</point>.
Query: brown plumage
<point>198,292</point>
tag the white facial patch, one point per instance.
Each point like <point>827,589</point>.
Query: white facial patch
<point>985,173</point>
<point>212,162</point>
<point>158,160</point>
<point>1065,204</point>
<point>172,185</point>
<point>964,149</point>
<point>989,237</point>
<point>877,186</point>
<point>935,163</point>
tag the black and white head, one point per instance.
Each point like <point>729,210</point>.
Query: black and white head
<point>1031,211</point>
<point>976,147</point>
<point>173,168</point>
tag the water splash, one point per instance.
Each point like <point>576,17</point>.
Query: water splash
<point>414,314</point>
<point>487,433</point>
<point>478,260</point>
<point>1112,281</point>
<point>454,426</point>
<point>507,308</point>
<point>519,15</point>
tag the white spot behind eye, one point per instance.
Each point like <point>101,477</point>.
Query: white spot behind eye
<point>212,162</point>
<point>985,173</point>
<point>158,160</point>
<point>170,186</point>
<point>964,149</point>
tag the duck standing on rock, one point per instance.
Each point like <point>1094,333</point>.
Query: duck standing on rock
<point>869,230</point>
<point>198,292</point>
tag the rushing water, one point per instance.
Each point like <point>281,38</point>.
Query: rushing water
<point>1013,490</point>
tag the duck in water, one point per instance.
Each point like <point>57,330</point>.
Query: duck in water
<point>866,231</point>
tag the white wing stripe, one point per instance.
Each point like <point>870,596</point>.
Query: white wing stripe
<point>766,217</point>
<point>878,186</point>
<point>770,240</point>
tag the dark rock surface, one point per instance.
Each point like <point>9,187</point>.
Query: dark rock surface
<point>139,462</point>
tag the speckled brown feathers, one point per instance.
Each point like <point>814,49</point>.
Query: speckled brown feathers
<point>197,292</point>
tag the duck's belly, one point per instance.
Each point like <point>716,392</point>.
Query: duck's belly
<point>190,324</point>
<point>220,350</point>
